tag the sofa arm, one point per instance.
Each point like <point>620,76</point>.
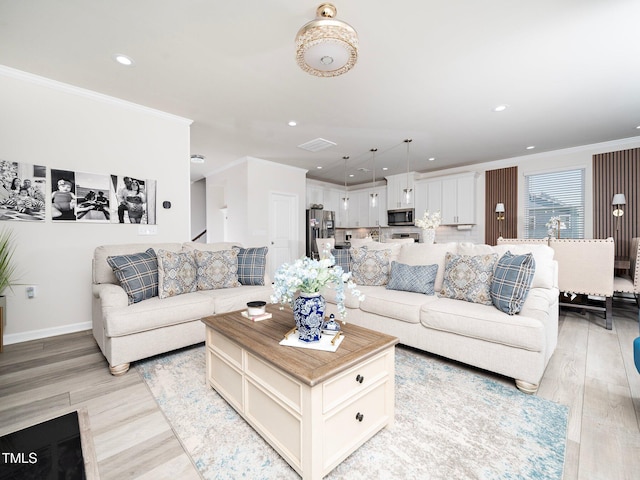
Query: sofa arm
<point>110,295</point>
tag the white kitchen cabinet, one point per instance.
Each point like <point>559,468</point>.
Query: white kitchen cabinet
<point>333,199</point>
<point>428,197</point>
<point>315,195</point>
<point>396,185</point>
<point>458,199</point>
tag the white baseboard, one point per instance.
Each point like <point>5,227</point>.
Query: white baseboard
<point>46,333</point>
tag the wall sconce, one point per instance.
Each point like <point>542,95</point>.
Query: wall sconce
<point>618,202</point>
<point>500,217</point>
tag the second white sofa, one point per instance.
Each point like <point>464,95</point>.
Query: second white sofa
<point>517,346</point>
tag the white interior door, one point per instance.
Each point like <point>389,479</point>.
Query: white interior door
<point>284,230</point>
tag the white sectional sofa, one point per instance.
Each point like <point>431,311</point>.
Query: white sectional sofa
<point>518,346</point>
<point>127,331</point>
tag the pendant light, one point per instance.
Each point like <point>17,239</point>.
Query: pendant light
<point>407,191</point>
<point>345,199</point>
<point>373,194</point>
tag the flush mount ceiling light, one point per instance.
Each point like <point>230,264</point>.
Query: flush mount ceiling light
<point>500,108</point>
<point>197,158</point>
<point>326,47</point>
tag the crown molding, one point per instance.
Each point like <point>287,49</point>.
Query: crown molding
<point>90,94</point>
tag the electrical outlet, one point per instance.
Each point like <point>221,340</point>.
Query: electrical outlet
<point>31,291</point>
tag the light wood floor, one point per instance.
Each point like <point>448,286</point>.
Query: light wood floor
<point>591,371</point>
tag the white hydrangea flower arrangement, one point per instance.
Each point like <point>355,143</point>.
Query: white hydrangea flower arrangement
<point>429,220</point>
<point>310,276</point>
<point>554,225</point>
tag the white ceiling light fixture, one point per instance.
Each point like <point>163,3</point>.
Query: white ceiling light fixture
<point>292,123</point>
<point>531,147</point>
<point>345,199</point>
<point>373,194</point>
<point>326,47</point>
<point>197,158</point>
<point>123,60</point>
<point>500,108</point>
<point>407,191</point>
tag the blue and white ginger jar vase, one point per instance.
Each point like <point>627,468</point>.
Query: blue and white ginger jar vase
<point>308,311</point>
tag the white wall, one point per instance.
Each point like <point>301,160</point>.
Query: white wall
<point>244,189</point>
<point>59,126</point>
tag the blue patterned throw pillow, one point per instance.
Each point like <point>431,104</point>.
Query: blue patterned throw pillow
<point>251,265</point>
<point>343,258</point>
<point>217,269</point>
<point>177,273</point>
<point>512,281</point>
<point>468,277</point>
<point>413,278</point>
<point>137,274</point>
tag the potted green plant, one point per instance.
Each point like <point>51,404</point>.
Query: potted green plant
<point>7,274</point>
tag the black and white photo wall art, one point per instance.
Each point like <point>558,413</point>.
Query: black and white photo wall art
<point>22,191</point>
<point>133,200</point>
<point>74,196</point>
<point>95,198</point>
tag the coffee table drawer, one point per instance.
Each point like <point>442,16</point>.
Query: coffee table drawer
<point>353,424</point>
<point>225,379</point>
<point>225,347</point>
<point>353,381</point>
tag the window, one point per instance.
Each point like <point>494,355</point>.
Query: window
<point>555,194</point>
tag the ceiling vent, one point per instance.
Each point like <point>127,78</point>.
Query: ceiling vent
<point>317,145</point>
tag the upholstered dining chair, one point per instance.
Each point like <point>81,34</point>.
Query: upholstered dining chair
<point>325,245</point>
<point>630,283</point>
<point>521,241</point>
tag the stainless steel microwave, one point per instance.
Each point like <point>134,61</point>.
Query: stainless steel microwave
<point>401,216</point>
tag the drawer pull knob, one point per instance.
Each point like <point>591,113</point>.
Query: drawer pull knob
<point>359,416</point>
<point>359,378</point>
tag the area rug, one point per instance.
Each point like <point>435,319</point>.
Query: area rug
<point>449,423</point>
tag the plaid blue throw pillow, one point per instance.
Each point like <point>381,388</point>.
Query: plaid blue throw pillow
<point>343,258</point>
<point>511,282</point>
<point>413,278</point>
<point>251,265</point>
<point>137,274</point>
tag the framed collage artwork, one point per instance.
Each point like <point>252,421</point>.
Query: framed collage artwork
<point>74,196</point>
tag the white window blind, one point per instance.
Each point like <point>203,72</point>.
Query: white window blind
<point>555,194</point>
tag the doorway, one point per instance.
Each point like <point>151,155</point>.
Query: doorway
<point>283,230</point>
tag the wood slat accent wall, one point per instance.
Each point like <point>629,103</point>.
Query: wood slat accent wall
<point>616,172</point>
<point>501,186</point>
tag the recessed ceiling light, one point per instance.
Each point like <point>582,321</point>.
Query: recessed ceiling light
<point>319,167</point>
<point>197,158</point>
<point>385,168</point>
<point>531,147</point>
<point>431,159</point>
<point>292,123</point>
<point>123,60</point>
<point>638,127</point>
<point>500,108</point>
<point>351,175</point>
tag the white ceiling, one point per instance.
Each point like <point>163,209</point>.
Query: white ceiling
<point>429,70</point>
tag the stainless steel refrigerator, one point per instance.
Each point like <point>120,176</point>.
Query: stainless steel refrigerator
<point>320,224</point>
